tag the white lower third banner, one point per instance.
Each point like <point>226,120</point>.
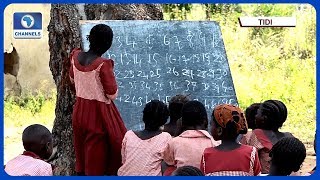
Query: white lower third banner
<point>267,21</point>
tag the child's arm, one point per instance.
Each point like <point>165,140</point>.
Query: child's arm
<point>168,154</point>
<point>123,149</point>
<point>108,80</point>
<point>71,74</point>
<point>257,166</point>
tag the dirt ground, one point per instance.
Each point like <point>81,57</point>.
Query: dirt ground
<point>310,161</point>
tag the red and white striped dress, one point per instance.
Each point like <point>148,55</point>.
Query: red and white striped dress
<point>243,161</point>
<point>143,157</point>
<point>28,164</point>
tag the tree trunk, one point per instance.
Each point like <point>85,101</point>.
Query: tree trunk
<point>64,35</point>
<point>208,10</point>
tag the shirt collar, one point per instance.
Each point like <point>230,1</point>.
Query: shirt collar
<point>195,134</point>
<point>31,154</point>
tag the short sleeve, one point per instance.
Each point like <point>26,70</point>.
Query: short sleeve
<point>108,79</point>
<point>245,138</point>
<point>123,149</point>
<point>257,165</point>
<point>71,74</point>
<point>168,155</point>
<point>166,139</point>
<point>254,141</point>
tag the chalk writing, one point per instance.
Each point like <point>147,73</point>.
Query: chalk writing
<point>159,59</point>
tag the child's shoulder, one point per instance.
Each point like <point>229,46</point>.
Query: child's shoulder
<point>258,131</point>
<point>26,165</point>
<point>129,133</point>
<point>247,149</point>
<point>74,53</point>
<point>165,135</point>
<point>209,150</point>
<point>107,62</point>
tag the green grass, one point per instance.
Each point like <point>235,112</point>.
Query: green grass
<point>20,113</point>
<point>272,63</point>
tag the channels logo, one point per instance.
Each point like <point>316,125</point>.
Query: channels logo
<point>27,25</point>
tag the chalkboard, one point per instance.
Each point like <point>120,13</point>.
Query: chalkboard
<point>159,59</point>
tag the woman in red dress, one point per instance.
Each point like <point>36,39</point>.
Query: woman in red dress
<point>98,129</point>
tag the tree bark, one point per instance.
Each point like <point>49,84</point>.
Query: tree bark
<point>64,36</point>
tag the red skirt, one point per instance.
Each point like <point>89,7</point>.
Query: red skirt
<point>98,132</point>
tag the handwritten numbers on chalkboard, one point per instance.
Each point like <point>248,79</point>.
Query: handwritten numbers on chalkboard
<point>206,86</point>
<point>206,57</point>
<point>120,43</point>
<point>202,37</point>
<point>126,98</point>
<point>133,85</point>
<point>188,84</point>
<point>194,85</point>
<point>142,74</point>
<point>196,57</point>
<point>224,101</point>
<point>201,73</point>
<point>139,101</point>
<point>159,59</point>
<point>177,42</point>
<point>170,59</point>
<point>216,87</point>
<point>226,88</point>
<point>155,74</point>
<point>149,41</point>
<point>153,59</point>
<point>172,71</point>
<point>233,101</point>
<point>128,74</point>
<point>166,40</point>
<point>142,85</point>
<point>136,60</point>
<point>130,42</point>
<point>111,56</point>
<point>174,86</point>
<point>189,39</point>
<point>160,86</point>
<point>184,59</point>
<point>136,101</point>
<point>188,73</point>
<point>147,86</point>
<point>206,105</point>
<point>219,73</point>
<point>156,86</point>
